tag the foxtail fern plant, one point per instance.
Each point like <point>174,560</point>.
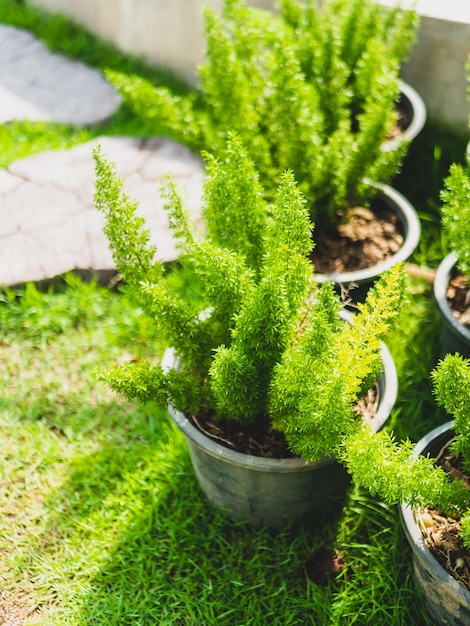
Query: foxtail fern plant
<point>377,461</point>
<point>311,89</point>
<point>271,344</point>
<point>352,51</point>
<point>390,471</point>
<point>455,213</point>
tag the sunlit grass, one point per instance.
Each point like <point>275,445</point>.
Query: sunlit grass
<point>103,521</point>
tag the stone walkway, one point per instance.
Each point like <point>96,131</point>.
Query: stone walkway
<point>38,85</point>
<point>48,222</point>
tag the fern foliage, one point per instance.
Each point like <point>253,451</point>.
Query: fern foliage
<point>452,389</point>
<point>271,343</point>
<point>311,89</point>
<point>455,213</point>
<point>389,469</point>
<point>336,364</point>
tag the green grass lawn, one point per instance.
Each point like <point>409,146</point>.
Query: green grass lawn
<point>102,521</point>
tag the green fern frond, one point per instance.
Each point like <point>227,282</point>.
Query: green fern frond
<point>455,212</point>
<point>390,470</point>
<point>451,380</point>
<point>234,207</point>
<point>132,252</point>
<point>176,117</point>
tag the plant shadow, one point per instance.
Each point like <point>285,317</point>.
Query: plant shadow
<point>154,551</point>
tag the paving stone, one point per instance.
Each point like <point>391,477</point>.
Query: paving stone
<point>38,85</point>
<point>49,224</point>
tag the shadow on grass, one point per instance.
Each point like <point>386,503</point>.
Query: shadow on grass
<point>135,525</point>
<point>184,562</point>
<point>131,539</point>
<point>179,561</point>
<point>379,560</point>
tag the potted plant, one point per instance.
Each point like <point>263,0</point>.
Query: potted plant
<point>320,104</point>
<point>348,49</point>
<point>452,280</point>
<point>447,598</point>
<point>433,486</point>
<point>264,378</point>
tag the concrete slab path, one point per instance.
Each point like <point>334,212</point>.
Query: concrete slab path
<point>48,221</point>
<point>38,85</point>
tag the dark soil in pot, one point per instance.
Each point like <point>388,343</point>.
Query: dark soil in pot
<point>435,551</point>
<point>365,238</point>
<point>260,439</point>
<point>403,114</point>
<point>442,533</point>
<point>410,111</point>
<point>458,297</point>
<point>402,121</point>
<point>356,252</point>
